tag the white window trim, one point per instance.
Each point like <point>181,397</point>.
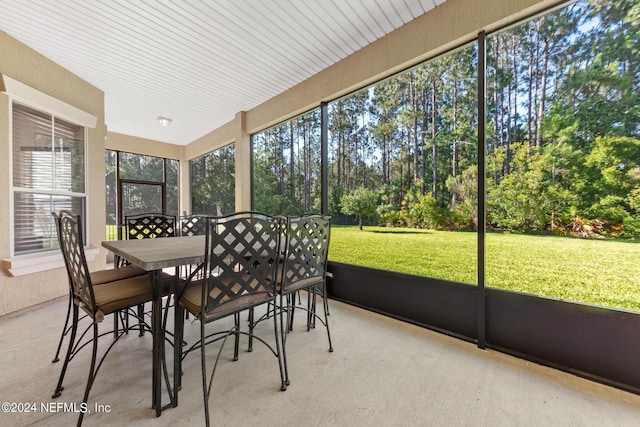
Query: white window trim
<point>42,261</point>
<point>40,100</point>
<point>14,189</point>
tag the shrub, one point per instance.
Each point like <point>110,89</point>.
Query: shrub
<point>631,228</point>
<point>388,216</point>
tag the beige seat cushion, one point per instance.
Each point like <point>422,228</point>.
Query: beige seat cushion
<point>192,300</point>
<point>121,294</point>
<point>295,285</point>
<point>111,275</point>
<point>302,283</point>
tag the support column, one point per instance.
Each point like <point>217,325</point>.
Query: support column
<point>324,158</point>
<point>243,164</point>
<point>184,184</point>
<point>482,298</point>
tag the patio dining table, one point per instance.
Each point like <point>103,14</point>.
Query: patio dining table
<point>154,255</point>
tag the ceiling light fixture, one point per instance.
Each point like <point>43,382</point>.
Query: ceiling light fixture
<point>164,121</point>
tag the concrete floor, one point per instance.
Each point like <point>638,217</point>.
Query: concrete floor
<point>383,372</point>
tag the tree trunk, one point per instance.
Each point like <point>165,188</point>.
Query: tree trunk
<point>414,106</point>
<point>454,156</point>
<point>292,172</point>
<point>425,123</point>
<point>543,90</point>
<point>434,190</point>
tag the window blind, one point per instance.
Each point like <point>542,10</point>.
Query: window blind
<point>48,175</point>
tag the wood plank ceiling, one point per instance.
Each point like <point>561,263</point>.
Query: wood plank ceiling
<point>197,62</point>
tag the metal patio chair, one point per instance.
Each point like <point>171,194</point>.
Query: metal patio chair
<point>149,226</point>
<point>95,301</point>
<point>304,268</point>
<point>241,259</point>
<point>97,278</point>
<point>193,225</point>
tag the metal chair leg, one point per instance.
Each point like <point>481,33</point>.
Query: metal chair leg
<point>140,319</point>
<point>92,372</point>
<point>291,306</point>
<point>284,371</point>
<point>64,330</point>
<point>251,326</point>
<point>205,388</point>
<point>326,315</point>
<point>72,339</point>
<point>236,345</point>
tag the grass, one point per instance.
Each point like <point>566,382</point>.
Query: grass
<point>112,232</point>
<point>599,272</point>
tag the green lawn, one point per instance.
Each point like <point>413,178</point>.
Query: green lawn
<point>600,272</point>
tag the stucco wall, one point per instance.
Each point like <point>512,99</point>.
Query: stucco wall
<point>29,67</point>
<point>134,144</point>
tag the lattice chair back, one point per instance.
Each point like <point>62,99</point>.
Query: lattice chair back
<point>193,225</point>
<point>306,248</point>
<point>242,250</point>
<point>56,221</point>
<point>72,247</point>
<point>152,225</point>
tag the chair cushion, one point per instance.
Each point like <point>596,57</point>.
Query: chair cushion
<point>297,285</point>
<point>191,299</point>
<point>121,294</point>
<point>111,275</point>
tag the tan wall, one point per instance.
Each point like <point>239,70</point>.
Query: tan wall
<point>134,144</point>
<point>224,135</point>
<point>29,67</point>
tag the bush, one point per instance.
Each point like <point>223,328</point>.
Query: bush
<point>517,203</point>
<point>610,209</point>
<point>631,228</point>
<point>460,220</point>
<point>388,216</point>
